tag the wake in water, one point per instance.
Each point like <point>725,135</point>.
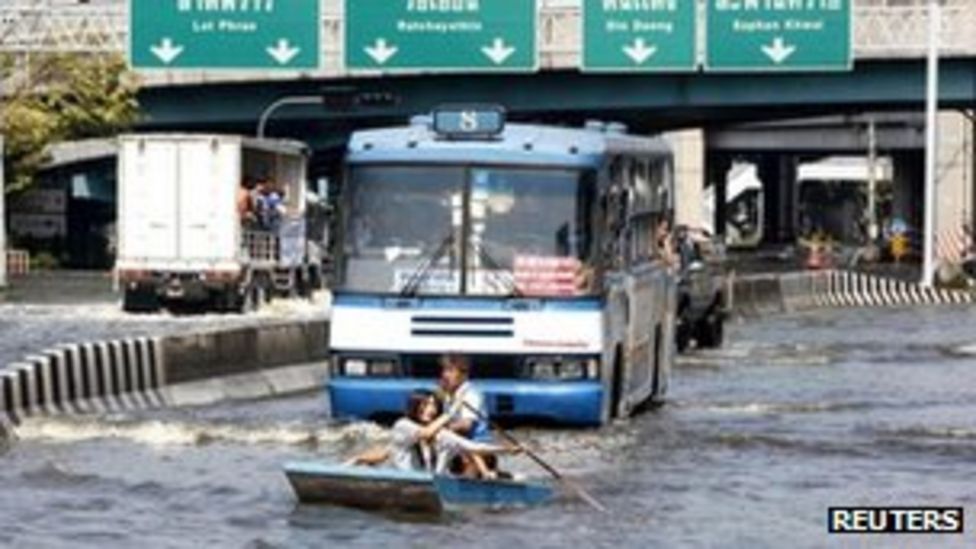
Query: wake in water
<point>759,354</point>
<point>773,408</point>
<point>155,432</point>
<point>935,433</point>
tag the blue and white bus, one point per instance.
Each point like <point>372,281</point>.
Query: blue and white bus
<point>528,248</point>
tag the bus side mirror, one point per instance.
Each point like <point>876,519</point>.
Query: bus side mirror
<point>322,188</point>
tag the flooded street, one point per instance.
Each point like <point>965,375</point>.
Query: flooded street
<point>49,309</point>
<point>797,414</point>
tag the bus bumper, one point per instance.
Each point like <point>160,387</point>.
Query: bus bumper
<point>562,402</point>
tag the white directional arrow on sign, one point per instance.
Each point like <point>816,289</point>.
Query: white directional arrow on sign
<point>166,51</point>
<point>778,51</point>
<point>639,51</point>
<point>283,52</point>
<point>381,52</point>
<point>498,52</point>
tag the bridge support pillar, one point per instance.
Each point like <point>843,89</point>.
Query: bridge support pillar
<point>689,173</point>
<point>3,223</point>
<point>717,166</point>
<point>954,186</point>
<point>778,174</point>
<point>908,178</point>
<point>972,176</point>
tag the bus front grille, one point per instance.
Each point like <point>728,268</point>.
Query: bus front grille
<point>462,326</point>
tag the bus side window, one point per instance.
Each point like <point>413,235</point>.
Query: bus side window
<point>614,204</point>
<point>641,224</point>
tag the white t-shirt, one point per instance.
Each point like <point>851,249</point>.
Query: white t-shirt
<point>409,454</point>
<point>473,409</point>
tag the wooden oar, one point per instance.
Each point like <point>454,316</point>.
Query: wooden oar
<point>577,489</point>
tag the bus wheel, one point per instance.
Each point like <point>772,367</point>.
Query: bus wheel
<point>617,385</point>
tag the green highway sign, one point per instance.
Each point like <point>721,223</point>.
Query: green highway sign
<point>770,35</point>
<point>639,35</point>
<point>441,35</point>
<point>224,34</point>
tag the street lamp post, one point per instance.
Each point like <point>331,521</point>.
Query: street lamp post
<point>283,102</point>
<point>872,181</point>
<point>334,98</point>
<point>3,224</point>
<point>931,136</point>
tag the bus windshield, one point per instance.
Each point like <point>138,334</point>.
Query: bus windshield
<point>517,231</point>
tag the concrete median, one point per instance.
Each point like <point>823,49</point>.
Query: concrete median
<point>757,295</point>
<point>145,372</point>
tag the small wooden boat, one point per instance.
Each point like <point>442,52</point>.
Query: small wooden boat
<point>410,491</point>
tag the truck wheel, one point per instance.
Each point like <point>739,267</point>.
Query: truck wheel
<point>718,331</point>
<point>140,301</point>
<point>682,336</point>
<point>314,282</point>
<point>224,301</point>
<point>710,332</point>
<point>247,301</point>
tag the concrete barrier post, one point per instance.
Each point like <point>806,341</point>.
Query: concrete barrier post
<point>27,398</point>
<point>9,395</point>
<point>85,380</point>
<point>111,361</point>
<point>157,366</point>
<point>43,369</point>
<point>60,374</point>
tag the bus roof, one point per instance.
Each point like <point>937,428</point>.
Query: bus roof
<point>517,144</point>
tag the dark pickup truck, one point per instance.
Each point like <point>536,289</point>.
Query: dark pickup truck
<point>702,285</point>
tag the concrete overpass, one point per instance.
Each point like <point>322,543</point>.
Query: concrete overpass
<point>889,40</point>
<point>888,75</point>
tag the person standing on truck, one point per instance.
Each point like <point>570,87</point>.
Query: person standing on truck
<point>245,202</point>
<point>274,208</point>
<point>259,202</point>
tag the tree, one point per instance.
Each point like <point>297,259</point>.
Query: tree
<point>60,97</point>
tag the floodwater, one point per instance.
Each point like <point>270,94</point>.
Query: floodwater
<point>797,414</point>
<point>50,309</point>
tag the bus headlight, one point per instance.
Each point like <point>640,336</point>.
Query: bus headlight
<point>592,368</point>
<point>354,367</point>
<point>373,367</point>
<point>382,368</point>
<point>562,368</point>
<point>578,368</point>
<point>542,368</point>
<point>572,369</point>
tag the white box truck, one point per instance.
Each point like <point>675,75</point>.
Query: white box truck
<point>212,220</point>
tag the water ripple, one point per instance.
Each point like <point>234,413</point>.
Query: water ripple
<point>68,430</point>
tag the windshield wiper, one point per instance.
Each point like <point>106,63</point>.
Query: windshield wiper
<point>487,259</point>
<point>423,270</point>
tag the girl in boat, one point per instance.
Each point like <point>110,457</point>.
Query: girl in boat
<point>420,442</point>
